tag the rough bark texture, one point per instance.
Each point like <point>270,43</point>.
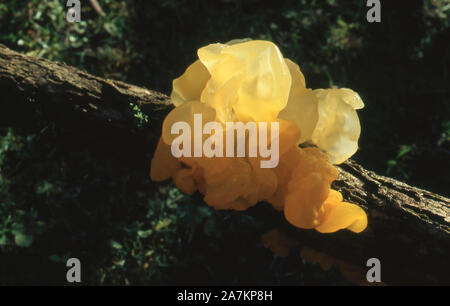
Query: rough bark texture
<point>409,228</point>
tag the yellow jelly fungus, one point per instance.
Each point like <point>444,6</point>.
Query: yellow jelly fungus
<point>337,130</point>
<point>302,104</point>
<point>250,81</point>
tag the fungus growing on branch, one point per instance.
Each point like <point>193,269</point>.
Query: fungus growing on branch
<point>250,82</point>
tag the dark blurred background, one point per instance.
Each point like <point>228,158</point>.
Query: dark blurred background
<point>58,200</point>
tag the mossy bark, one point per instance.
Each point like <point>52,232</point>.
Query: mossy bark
<point>409,228</point>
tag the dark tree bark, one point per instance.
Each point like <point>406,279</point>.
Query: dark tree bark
<point>409,228</point>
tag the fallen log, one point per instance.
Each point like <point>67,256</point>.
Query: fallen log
<point>409,228</point>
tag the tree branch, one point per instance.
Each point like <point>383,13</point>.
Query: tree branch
<point>409,228</point>
<point>97,8</point>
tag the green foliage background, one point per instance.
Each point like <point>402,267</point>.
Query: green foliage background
<point>60,200</point>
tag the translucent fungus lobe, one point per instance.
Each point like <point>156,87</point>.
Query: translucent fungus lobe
<point>250,81</point>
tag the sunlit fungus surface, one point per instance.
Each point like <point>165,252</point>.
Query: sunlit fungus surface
<point>250,81</point>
